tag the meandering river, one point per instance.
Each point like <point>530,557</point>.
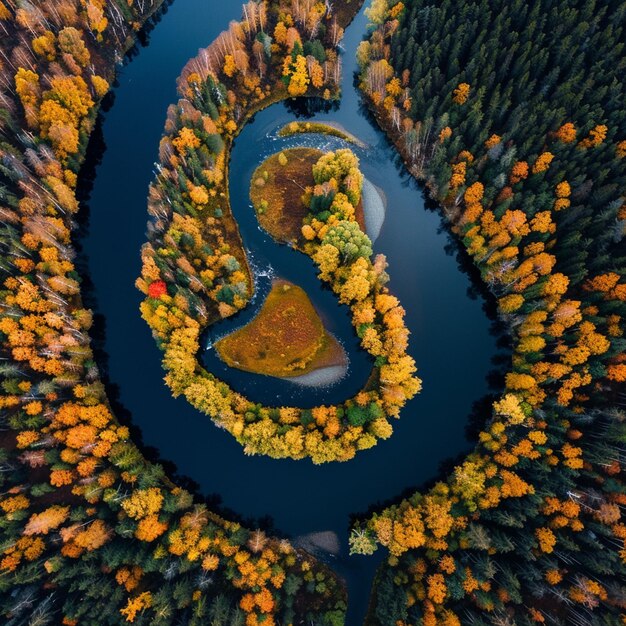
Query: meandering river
<point>451,339</point>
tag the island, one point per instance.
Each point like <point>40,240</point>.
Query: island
<point>286,339</point>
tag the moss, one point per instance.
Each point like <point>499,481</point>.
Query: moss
<point>286,338</point>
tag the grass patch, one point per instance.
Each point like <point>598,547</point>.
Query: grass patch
<point>300,128</point>
<point>276,192</point>
<point>286,338</point>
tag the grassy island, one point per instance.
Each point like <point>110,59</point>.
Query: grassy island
<point>320,193</point>
<point>195,268</point>
<point>286,338</point>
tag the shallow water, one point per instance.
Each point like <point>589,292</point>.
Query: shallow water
<point>450,340</point>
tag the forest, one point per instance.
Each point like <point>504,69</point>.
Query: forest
<point>511,116</point>
<point>93,533</point>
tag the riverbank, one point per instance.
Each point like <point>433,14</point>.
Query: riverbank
<point>330,129</point>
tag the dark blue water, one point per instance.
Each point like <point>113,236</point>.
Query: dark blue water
<point>450,339</point>
<point>270,259</point>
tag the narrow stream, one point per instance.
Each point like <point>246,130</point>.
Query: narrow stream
<point>451,339</point>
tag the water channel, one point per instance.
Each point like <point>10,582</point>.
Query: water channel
<point>452,338</point>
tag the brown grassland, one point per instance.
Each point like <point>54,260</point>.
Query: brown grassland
<point>276,192</point>
<point>286,338</point>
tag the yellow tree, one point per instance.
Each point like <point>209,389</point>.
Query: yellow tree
<point>50,519</point>
<point>297,73</point>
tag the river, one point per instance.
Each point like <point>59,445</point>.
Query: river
<point>452,339</point>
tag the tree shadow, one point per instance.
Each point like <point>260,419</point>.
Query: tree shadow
<point>307,107</point>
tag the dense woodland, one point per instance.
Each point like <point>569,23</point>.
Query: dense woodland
<point>195,269</point>
<point>90,532</point>
<point>512,113</point>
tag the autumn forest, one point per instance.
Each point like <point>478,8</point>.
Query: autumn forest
<point>312,312</point>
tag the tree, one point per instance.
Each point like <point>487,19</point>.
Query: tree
<point>296,74</point>
<point>350,241</point>
<point>357,281</point>
<point>149,528</point>
<point>461,93</point>
<point>143,502</point>
<point>50,519</point>
<point>136,605</point>
<point>566,133</point>
<point>70,41</point>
